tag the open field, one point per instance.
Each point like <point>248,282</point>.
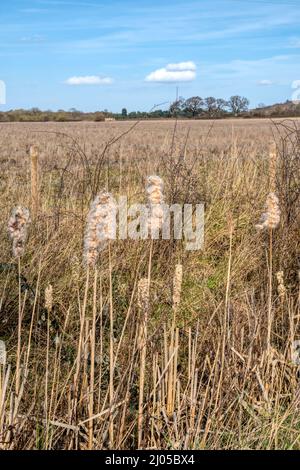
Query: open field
<point>206,364</point>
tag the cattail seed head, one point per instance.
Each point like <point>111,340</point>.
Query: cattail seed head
<point>18,229</point>
<point>100,228</point>
<point>143,295</point>
<point>281,287</point>
<point>177,283</point>
<point>49,298</point>
<point>271,218</point>
<point>154,189</point>
<point>2,353</point>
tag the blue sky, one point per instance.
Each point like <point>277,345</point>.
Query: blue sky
<point>96,54</point>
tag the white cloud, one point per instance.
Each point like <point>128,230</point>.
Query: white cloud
<point>265,82</point>
<point>182,66</point>
<point>89,80</point>
<point>180,72</point>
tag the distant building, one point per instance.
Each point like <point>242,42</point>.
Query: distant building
<point>109,119</point>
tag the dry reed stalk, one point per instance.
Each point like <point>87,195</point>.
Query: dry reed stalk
<point>80,341</point>
<point>143,304</point>
<point>100,230</point>
<point>270,220</point>
<point>111,355</point>
<point>92,368</point>
<point>19,331</point>
<point>225,327</point>
<point>32,320</point>
<point>47,378</point>
<point>173,344</point>
<point>48,307</point>
<point>33,152</point>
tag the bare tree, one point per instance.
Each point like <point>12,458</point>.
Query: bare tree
<point>221,106</point>
<point>238,104</point>
<point>176,106</point>
<point>194,105</point>
<point>210,105</point>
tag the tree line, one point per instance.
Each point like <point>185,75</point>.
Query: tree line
<point>194,107</point>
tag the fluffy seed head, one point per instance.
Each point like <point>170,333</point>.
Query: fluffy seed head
<point>281,287</point>
<point>49,298</point>
<point>17,228</point>
<point>2,353</point>
<point>100,227</point>
<point>271,217</point>
<point>143,295</point>
<point>154,189</point>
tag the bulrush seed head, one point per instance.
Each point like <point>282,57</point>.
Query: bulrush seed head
<point>143,295</point>
<point>49,298</point>
<point>271,218</point>
<point>18,229</point>
<point>281,287</point>
<point>100,228</point>
<point>2,353</point>
<point>154,189</point>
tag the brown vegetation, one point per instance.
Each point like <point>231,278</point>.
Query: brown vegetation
<point>152,346</point>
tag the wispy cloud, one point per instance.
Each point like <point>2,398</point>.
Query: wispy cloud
<point>180,72</point>
<point>37,38</point>
<point>89,80</point>
<point>182,66</point>
<point>265,82</point>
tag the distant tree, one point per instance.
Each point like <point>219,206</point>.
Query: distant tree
<point>261,105</point>
<point>193,105</point>
<point>210,104</point>
<point>238,104</point>
<point>124,112</point>
<point>176,107</point>
<point>221,106</point>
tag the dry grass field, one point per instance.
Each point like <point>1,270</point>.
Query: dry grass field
<point>126,354</point>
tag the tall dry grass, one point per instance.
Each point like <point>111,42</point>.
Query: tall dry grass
<point>151,346</point>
